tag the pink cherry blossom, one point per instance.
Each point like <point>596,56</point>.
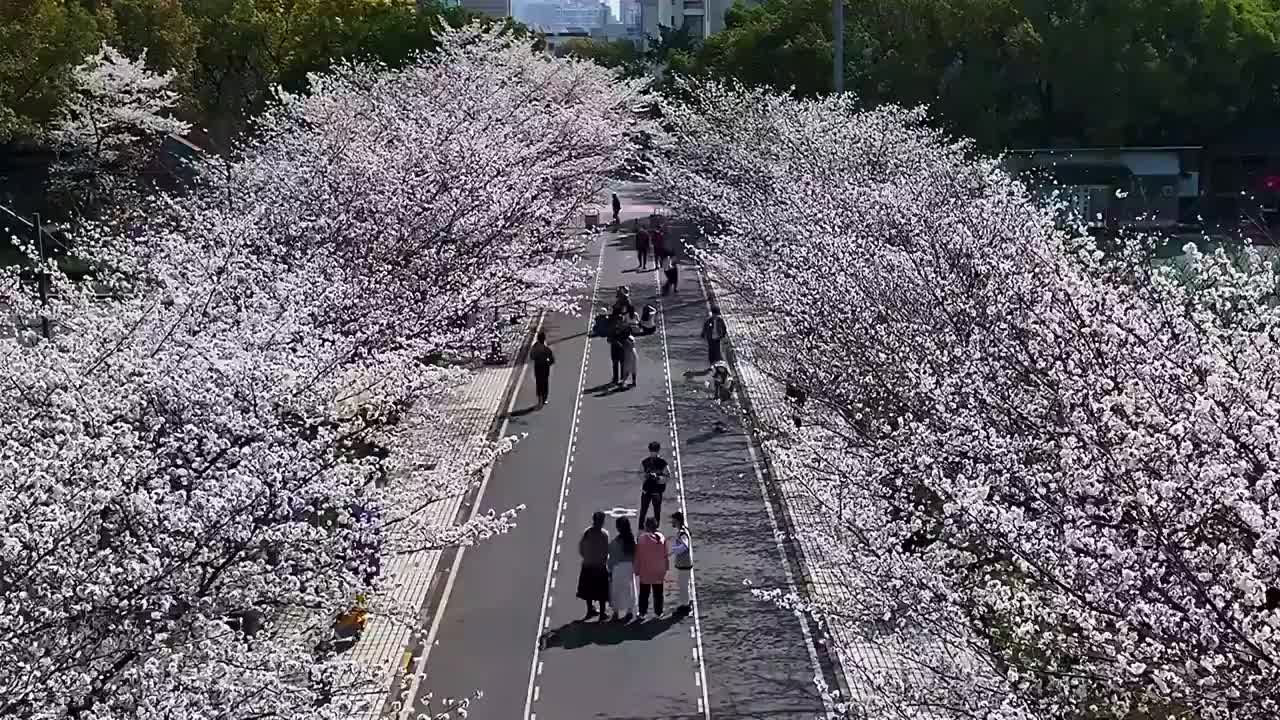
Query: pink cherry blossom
<point>237,417</point>
<point>1052,465</point>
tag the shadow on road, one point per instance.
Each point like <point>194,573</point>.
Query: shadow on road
<point>581,633</point>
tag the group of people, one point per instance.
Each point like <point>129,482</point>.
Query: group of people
<point>653,238</point>
<point>622,326</point>
<point>624,572</point>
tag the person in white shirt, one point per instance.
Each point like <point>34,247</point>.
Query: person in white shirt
<point>679,545</point>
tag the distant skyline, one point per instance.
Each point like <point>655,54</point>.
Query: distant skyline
<point>518,7</point>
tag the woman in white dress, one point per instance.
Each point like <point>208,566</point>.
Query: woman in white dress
<point>622,582</point>
<point>629,359</point>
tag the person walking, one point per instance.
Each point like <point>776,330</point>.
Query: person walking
<point>714,331</point>
<point>655,483</point>
<point>622,571</point>
<point>617,208</point>
<point>642,247</point>
<point>681,550</point>
<point>593,578</point>
<point>651,563</point>
<point>658,241</point>
<point>671,270</point>
<point>543,359</point>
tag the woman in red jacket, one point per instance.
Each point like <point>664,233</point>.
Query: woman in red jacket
<point>651,562</point>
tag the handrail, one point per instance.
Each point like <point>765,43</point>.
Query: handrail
<point>30,225</point>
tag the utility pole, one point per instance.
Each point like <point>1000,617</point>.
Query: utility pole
<point>837,37</point>
<point>42,279</point>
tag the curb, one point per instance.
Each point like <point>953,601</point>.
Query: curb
<point>392,704</point>
<point>832,668</point>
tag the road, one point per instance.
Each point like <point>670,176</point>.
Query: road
<point>509,623</point>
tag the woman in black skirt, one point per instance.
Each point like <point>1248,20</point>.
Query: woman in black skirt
<point>593,579</point>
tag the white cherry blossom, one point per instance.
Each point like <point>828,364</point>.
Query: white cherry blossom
<point>1052,465</point>
<point>202,466</point>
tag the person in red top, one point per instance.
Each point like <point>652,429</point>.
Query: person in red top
<point>651,563</point>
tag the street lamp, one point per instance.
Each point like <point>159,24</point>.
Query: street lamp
<point>837,31</point>
<point>42,278</point>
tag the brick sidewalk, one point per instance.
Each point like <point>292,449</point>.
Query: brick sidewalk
<point>866,658</point>
<point>385,645</point>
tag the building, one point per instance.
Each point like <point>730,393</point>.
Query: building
<point>1109,188</point>
<point>1227,188</point>
<point>492,8</point>
<point>560,15</point>
<point>1242,184</point>
<point>557,38</point>
<point>629,13</point>
<point>700,18</point>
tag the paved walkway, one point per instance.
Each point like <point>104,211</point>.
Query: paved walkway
<point>508,623</point>
<point>874,665</point>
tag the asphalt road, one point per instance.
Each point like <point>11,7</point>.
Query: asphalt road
<point>511,625</point>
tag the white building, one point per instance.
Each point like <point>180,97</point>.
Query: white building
<point>700,18</point>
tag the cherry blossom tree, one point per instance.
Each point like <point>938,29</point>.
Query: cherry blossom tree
<point>112,123</point>
<point>1052,469</point>
<point>224,437</point>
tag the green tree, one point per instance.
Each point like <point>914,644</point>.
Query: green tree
<point>40,42</point>
<point>779,43</point>
<point>1026,72</point>
<point>621,55</point>
<point>247,47</point>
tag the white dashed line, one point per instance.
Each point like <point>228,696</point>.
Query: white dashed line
<point>545,621</point>
<point>696,631</point>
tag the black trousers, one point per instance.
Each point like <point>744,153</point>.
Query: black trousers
<point>642,253</point>
<point>714,352</point>
<point>542,381</point>
<point>673,280</point>
<point>616,355</point>
<point>644,598</point>
<point>647,498</point>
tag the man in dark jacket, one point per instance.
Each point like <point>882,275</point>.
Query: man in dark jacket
<point>714,331</point>
<point>542,359</point>
<point>655,483</point>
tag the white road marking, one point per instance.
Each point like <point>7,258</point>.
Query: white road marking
<point>545,620</point>
<point>777,539</point>
<point>704,706</point>
<point>457,559</point>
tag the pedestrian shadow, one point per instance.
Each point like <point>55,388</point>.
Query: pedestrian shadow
<point>521,412</point>
<point>581,633</point>
<point>697,373</point>
<point>606,389</point>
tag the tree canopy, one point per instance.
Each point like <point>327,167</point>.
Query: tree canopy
<point>1025,72</point>
<point>227,55</point>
